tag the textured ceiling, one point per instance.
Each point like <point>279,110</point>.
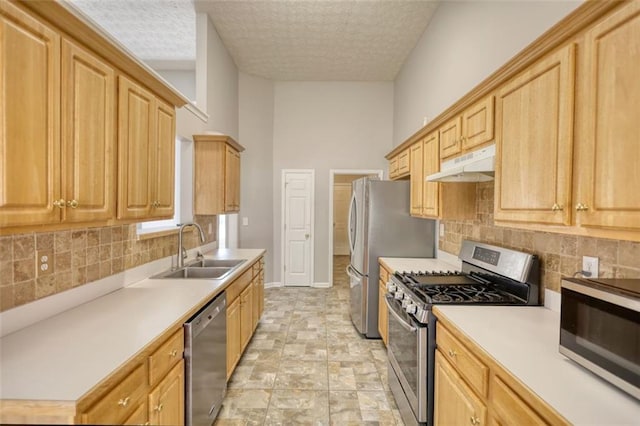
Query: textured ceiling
<point>360,40</point>
<point>154,30</point>
<point>321,39</point>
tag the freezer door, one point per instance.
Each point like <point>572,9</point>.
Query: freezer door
<point>358,288</point>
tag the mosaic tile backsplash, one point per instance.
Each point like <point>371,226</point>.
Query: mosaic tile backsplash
<point>560,255</point>
<point>79,256</point>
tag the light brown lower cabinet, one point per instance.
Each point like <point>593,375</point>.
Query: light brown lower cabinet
<point>166,401</point>
<point>139,416</point>
<point>383,311</point>
<point>472,388</point>
<point>245,301</point>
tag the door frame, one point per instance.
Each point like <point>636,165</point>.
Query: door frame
<point>332,174</point>
<point>283,242</point>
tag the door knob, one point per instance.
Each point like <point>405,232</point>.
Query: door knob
<point>306,236</point>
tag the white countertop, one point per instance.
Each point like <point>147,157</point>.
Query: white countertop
<point>524,340</point>
<point>63,357</point>
<point>400,264</point>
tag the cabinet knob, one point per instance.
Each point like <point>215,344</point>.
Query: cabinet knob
<point>556,207</point>
<point>158,408</point>
<point>123,402</point>
<point>581,207</point>
<point>474,420</point>
<point>61,203</point>
<point>73,204</point>
<point>452,353</point>
<point>173,353</point>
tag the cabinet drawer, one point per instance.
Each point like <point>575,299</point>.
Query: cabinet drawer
<point>161,361</point>
<point>121,401</point>
<point>236,287</point>
<point>468,365</point>
<point>404,162</point>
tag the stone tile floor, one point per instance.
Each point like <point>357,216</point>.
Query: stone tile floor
<point>306,364</point>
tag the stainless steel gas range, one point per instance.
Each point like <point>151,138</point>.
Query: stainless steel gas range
<point>490,275</point>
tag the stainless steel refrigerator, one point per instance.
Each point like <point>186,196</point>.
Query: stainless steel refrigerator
<point>380,226</point>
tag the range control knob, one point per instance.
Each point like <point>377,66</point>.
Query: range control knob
<point>399,295</point>
<point>391,287</point>
<point>411,308</point>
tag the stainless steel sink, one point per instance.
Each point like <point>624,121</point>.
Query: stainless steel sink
<point>208,263</point>
<point>203,269</point>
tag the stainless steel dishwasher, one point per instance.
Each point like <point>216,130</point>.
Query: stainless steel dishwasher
<point>206,362</point>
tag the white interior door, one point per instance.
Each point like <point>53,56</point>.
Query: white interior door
<point>298,220</point>
<point>341,199</point>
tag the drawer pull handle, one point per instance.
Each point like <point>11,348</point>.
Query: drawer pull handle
<point>474,420</point>
<point>173,353</point>
<point>123,402</point>
<point>158,408</point>
<point>452,353</point>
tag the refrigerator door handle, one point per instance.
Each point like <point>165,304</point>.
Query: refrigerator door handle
<point>351,225</point>
<point>353,273</point>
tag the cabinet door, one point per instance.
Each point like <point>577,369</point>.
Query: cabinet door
<point>404,162</point>
<point>261,296</point>
<point>233,336</point>
<point>88,135</point>
<point>30,120</point>
<point>383,313</point>
<point>609,172</point>
<point>166,401</point>
<point>164,166</point>
<point>478,124</point>
<point>455,403</point>
<point>393,168</point>
<point>140,415</point>
<point>534,142</point>
<point>417,178</point>
<point>450,138</point>
<point>246,315</point>
<point>232,180</point>
<point>255,307</point>
<point>430,165</point>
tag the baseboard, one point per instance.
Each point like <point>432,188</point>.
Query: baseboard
<point>272,285</point>
<point>321,285</point>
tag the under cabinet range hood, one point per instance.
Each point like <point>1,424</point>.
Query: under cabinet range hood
<point>475,166</point>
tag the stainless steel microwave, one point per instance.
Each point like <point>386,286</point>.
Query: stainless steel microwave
<point>600,328</point>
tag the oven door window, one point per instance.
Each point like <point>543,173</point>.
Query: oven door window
<point>403,344</point>
<point>603,333</point>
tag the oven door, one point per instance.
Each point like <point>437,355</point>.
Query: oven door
<point>407,350</point>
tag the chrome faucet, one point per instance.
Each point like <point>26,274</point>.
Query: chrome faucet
<point>181,251</point>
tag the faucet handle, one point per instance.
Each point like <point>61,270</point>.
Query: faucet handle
<point>199,256</point>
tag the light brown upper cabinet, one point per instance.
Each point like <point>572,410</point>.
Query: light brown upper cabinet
<point>416,179</point>
<point>216,174</point>
<point>146,141</point>
<point>473,128</point>
<point>437,200</point>
<point>608,170</point>
<point>57,135</point>
<point>534,141</point>
<point>400,165</point>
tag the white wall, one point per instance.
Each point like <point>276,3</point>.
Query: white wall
<point>256,183</point>
<point>216,79</point>
<point>464,43</point>
<point>322,126</point>
<point>183,80</point>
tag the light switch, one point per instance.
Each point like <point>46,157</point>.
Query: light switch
<point>245,221</point>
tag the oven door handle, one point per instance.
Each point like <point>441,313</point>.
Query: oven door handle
<point>399,318</point>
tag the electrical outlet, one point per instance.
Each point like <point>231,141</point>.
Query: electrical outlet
<point>245,221</point>
<point>590,264</point>
<point>44,260</point>
<point>210,229</point>
<point>441,230</point>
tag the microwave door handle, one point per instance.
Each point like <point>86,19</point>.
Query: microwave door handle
<point>402,322</point>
